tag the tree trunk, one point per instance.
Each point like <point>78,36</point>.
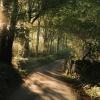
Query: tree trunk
<point>45,37</point>
<point>29,10</point>
<point>26,47</point>
<point>3,46</point>
<point>58,43</point>
<point>7,36</point>
<point>37,41</point>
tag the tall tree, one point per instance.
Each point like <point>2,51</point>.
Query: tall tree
<point>38,34</point>
<point>7,35</point>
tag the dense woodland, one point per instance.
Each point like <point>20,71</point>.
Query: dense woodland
<point>48,30</point>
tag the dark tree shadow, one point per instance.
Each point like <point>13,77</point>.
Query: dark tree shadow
<point>10,79</point>
<point>89,71</point>
<point>25,94</point>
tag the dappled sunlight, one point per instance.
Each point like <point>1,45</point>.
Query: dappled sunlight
<point>40,86</point>
<point>52,73</point>
<point>48,87</point>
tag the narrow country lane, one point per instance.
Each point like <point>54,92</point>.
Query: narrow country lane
<point>43,85</point>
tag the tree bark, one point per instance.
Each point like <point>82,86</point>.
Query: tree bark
<point>58,43</point>
<point>37,41</point>
<point>7,36</point>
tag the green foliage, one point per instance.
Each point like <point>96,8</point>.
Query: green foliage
<point>46,60</point>
<point>62,54</point>
<point>79,18</point>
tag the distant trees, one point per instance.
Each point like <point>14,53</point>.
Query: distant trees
<point>60,19</point>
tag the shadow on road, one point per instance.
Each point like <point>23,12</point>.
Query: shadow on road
<point>42,86</point>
